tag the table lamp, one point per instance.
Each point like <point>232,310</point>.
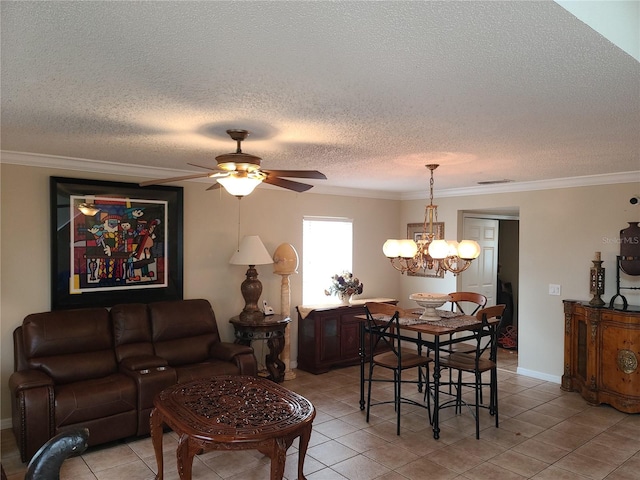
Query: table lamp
<point>251,252</point>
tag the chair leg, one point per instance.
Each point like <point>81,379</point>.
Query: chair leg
<point>459,393</point>
<point>398,401</point>
<point>369,391</point>
<point>478,396</point>
<point>494,386</point>
<point>427,393</point>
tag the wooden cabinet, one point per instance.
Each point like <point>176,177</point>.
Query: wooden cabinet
<point>329,337</point>
<point>601,354</point>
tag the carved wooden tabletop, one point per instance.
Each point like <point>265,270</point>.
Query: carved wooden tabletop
<point>232,412</point>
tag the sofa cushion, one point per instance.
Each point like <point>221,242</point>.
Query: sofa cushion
<point>91,399</point>
<point>183,331</point>
<point>76,366</point>
<point>70,345</point>
<point>131,330</point>
<point>180,319</point>
<point>186,350</point>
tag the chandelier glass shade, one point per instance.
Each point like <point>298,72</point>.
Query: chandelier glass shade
<point>428,253</point>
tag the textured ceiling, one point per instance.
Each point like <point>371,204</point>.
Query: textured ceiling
<point>366,92</point>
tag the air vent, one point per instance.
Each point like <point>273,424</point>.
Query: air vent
<point>494,182</point>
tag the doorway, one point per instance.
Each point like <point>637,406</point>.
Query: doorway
<point>495,273</point>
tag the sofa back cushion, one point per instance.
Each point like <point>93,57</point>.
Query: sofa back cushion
<point>70,345</point>
<point>131,330</point>
<point>183,330</point>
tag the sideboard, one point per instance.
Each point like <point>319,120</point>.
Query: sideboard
<point>328,335</point>
<point>601,354</point>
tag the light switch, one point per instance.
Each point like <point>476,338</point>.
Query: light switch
<point>554,289</point>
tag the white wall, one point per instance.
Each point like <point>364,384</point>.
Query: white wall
<point>559,232</point>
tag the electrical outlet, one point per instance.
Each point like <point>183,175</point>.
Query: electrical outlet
<point>554,289</point>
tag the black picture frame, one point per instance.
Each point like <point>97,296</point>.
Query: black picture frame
<point>130,251</point>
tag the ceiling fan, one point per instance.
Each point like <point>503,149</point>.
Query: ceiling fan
<point>239,173</point>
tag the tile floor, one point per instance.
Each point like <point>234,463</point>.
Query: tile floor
<point>544,434</point>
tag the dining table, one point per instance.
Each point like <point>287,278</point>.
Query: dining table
<point>434,335</point>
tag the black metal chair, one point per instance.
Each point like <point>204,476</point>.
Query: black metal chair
<point>383,330</point>
<point>477,363</point>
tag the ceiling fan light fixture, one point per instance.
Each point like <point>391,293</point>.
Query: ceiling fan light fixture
<point>240,185</point>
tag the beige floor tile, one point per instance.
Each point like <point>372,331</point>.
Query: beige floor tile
<point>545,452</point>
<point>585,466</point>
<point>555,473</point>
<point>360,468</point>
<point>424,468</point>
<point>489,471</point>
<point>331,452</point>
<point>519,463</point>
<point>545,433</point>
<point>326,474</point>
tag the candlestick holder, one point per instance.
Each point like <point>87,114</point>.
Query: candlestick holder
<point>596,284</point>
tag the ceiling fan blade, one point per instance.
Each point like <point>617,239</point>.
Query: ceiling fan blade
<point>296,173</point>
<point>202,166</point>
<point>215,186</point>
<point>288,184</point>
<point>174,179</point>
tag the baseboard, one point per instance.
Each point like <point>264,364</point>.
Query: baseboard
<point>539,375</point>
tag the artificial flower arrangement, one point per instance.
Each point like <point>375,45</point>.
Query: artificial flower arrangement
<point>344,284</point>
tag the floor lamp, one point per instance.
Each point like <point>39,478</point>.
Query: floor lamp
<point>285,263</point>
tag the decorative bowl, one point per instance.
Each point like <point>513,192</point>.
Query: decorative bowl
<point>430,301</point>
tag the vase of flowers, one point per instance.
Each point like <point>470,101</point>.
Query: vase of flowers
<point>344,286</point>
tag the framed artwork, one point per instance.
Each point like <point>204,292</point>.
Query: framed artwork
<point>125,248</point>
<point>414,232</point>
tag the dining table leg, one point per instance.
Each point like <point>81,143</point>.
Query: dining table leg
<point>436,387</point>
<point>361,352</point>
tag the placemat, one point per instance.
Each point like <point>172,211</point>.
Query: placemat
<point>447,319</point>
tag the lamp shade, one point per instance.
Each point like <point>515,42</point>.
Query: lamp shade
<point>251,252</point>
<point>439,249</point>
<point>239,186</point>
<point>468,249</point>
<point>405,248</point>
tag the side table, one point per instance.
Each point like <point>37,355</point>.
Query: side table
<point>270,328</point>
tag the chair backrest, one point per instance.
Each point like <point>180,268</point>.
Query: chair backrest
<point>485,315</point>
<point>459,299</point>
<point>384,333</point>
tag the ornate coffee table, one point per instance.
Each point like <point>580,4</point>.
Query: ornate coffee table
<point>232,413</point>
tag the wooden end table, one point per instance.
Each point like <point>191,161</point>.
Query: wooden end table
<point>272,329</point>
<point>232,412</point>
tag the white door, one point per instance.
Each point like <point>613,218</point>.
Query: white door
<point>481,276</point>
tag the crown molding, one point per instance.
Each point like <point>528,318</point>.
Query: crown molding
<point>115,168</point>
<point>569,182</point>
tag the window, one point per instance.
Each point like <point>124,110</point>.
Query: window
<point>327,249</point>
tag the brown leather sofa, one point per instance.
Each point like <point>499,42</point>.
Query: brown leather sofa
<point>101,369</point>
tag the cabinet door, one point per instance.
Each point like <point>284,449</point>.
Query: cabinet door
<point>349,337</point>
<point>330,337</point>
<point>619,353</point>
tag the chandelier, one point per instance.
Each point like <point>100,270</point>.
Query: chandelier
<point>406,255</point>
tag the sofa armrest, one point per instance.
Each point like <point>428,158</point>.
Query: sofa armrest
<point>32,410</point>
<point>141,362</point>
<point>28,379</point>
<point>228,351</point>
